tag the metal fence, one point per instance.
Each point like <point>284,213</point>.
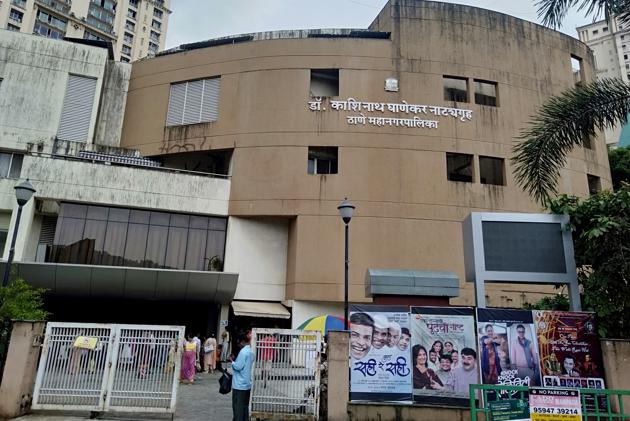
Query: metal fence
<point>285,374</point>
<point>597,404</point>
<point>131,368</point>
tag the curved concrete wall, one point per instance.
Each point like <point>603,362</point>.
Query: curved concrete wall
<point>408,214</point>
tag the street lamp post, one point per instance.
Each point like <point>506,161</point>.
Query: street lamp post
<point>345,210</point>
<point>23,193</point>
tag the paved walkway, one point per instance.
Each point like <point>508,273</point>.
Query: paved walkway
<point>195,402</point>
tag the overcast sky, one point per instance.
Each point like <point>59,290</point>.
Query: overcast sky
<point>198,20</point>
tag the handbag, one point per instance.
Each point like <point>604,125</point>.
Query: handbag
<point>225,383</point>
<point>208,349</point>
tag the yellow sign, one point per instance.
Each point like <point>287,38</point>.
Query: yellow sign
<point>85,342</point>
<point>554,405</point>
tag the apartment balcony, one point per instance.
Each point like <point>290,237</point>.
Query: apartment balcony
<point>62,6</point>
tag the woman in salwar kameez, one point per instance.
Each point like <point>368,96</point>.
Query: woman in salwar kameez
<point>189,360</point>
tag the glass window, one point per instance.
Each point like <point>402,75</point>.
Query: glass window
<point>324,82</point>
<point>73,210</point>
<point>69,231</point>
<point>199,222</point>
<point>136,245</point>
<point>16,16</point>
<point>455,89</point>
<point>156,246</point>
<point>97,212</point>
<point>215,247</point>
<point>95,233</point>
<point>459,167</point>
<point>119,214</point>
<point>219,224</point>
<point>160,218</point>
<point>114,248</point>
<point>322,160</point>
<point>491,171</point>
<point>10,165</point>
<point>139,217</point>
<point>594,184</point>
<point>176,248</point>
<point>485,93</point>
<point>196,249</point>
<point>5,164</point>
<point>178,220</point>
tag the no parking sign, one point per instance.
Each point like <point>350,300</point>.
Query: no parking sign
<point>555,405</point>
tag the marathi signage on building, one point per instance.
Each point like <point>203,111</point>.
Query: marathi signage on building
<point>380,369</point>
<point>413,115</point>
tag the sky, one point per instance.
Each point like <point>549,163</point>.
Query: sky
<point>198,20</point>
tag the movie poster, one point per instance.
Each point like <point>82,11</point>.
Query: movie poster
<point>570,350</point>
<point>443,354</point>
<point>380,368</point>
<point>508,348</point>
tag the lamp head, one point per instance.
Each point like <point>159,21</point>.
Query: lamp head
<point>23,192</point>
<point>345,210</point>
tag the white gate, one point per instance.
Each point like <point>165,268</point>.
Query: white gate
<point>131,368</point>
<point>285,374</point>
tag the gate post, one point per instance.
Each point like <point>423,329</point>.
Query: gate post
<point>338,375</point>
<point>20,369</point>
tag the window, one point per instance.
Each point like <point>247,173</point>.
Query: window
<point>46,31</point>
<point>10,165</point>
<point>76,114</point>
<point>156,24</point>
<point>129,237</point>
<point>11,27</point>
<point>51,20</point>
<point>587,141</point>
<point>459,167</point>
<point>125,60</point>
<point>577,69</point>
<point>485,93</point>
<point>16,16</point>
<point>91,36</point>
<point>133,3</point>
<point>126,50</point>
<point>605,29</point>
<point>625,56</point>
<point>19,3</point>
<point>491,170</point>
<point>3,239</point>
<point>131,13</point>
<point>622,37</point>
<point>324,82</point>
<point>322,160</point>
<point>594,184</point>
<point>129,25</point>
<point>595,31</point>
<point>194,102</point>
<point>153,47</point>
<point>154,36</point>
<point>158,13</point>
<point>623,46</point>
<point>128,38</point>
<point>455,89</point>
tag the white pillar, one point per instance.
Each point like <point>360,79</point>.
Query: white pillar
<point>24,230</point>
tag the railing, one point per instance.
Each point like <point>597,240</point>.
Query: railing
<point>597,404</point>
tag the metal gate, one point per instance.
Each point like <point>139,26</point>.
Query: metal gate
<point>130,368</point>
<point>285,374</point>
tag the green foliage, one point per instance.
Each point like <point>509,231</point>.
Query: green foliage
<point>559,302</point>
<point>21,301</point>
<point>601,238</point>
<point>553,12</point>
<point>619,166</point>
<point>563,123</point>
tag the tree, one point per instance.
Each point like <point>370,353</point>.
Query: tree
<point>21,301</point>
<point>619,166</point>
<point>601,233</point>
<point>567,120</point>
<point>559,302</point>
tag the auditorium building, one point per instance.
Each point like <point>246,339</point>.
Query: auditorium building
<point>247,145</point>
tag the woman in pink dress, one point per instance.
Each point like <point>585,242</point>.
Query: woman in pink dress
<point>189,360</point>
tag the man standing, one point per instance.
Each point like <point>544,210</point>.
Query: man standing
<point>242,380</point>
<point>523,356</point>
<point>467,374</point>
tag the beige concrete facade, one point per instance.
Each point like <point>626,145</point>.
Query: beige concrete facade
<point>408,213</point>
<point>136,28</point>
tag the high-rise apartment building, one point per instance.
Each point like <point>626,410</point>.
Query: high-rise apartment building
<point>136,28</point>
<point>610,42</point>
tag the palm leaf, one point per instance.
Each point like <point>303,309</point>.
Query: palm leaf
<point>553,12</point>
<point>564,122</point>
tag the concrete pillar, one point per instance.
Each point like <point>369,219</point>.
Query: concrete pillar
<point>20,369</point>
<point>222,321</point>
<point>616,356</point>
<point>26,223</point>
<point>338,375</point>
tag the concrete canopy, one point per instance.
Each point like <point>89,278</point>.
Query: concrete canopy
<point>127,282</point>
<point>411,282</point>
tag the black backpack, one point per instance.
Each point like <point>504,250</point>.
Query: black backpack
<point>225,383</point>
